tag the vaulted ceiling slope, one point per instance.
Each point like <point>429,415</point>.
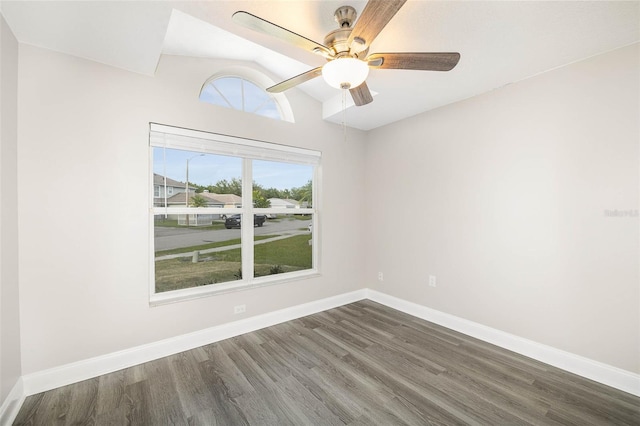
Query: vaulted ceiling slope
<point>500,42</point>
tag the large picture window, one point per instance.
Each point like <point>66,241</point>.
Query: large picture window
<point>229,213</point>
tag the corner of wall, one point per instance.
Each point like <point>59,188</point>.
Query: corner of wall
<point>13,402</point>
<point>10,355</point>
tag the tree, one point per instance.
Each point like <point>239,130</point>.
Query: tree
<point>227,187</point>
<point>272,193</point>
<point>285,194</point>
<point>259,201</point>
<point>260,195</point>
<point>198,201</point>
<point>304,193</point>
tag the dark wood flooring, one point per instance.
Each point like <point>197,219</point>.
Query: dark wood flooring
<point>360,364</point>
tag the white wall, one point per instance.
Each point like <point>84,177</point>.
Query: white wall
<point>84,252</point>
<point>10,369</point>
<point>502,197</point>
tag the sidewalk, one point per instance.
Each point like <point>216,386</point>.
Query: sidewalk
<point>231,247</point>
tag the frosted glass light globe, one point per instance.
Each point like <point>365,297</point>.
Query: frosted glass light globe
<point>345,73</point>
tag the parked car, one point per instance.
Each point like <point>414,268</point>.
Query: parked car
<point>235,220</point>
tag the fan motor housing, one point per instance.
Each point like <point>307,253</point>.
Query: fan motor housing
<point>337,40</point>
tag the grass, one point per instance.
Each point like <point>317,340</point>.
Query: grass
<point>294,252</point>
<point>290,254</point>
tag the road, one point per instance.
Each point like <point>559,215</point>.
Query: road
<point>172,238</point>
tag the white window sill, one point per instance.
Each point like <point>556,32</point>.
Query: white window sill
<point>167,297</point>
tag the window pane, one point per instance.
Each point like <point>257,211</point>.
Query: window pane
<point>231,89</point>
<point>214,180</point>
<point>193,250</point>
<point>286,246</point>
<point>283,245</point>
<point>206,252</point>
<point>254,97</point>
<point>283,185</point>
<point>211,95</point>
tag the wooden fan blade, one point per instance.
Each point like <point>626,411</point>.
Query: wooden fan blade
<point>294,81</point>
<point>361,94</point>
<point>263,26</point>
<point>442,61</point>
<point>374,17</point>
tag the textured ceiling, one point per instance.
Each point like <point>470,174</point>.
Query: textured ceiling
<point>500,42</point>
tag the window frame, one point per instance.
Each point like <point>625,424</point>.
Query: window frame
<point>248,150</point>
<point>258,79</point>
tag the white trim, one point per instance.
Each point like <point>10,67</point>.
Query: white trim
<point>165,136</point>
<point>11,405</point>
<point>71,373</point>
<point>174,296</point>
<point>246,231</point>
<point>316,199</point>
<point>603,373</point>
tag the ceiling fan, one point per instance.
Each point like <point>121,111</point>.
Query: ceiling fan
<point>347,49</point>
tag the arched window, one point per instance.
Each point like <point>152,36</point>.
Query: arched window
<point>243,89</point>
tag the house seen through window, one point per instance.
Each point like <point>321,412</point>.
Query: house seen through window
<point>229,212</point>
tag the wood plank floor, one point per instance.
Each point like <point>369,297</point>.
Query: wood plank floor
<point>360,364</point>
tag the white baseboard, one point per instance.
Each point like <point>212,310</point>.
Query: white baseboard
<point>11,405</point>
<point>71,373</point>
<point>611,376</point>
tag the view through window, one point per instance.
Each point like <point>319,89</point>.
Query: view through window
<point>238,93</point>
<point>229,212</point>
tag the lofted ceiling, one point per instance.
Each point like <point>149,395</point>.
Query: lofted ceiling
<point>500,42</point>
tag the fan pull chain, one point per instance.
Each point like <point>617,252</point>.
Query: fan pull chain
<point>344,114</point>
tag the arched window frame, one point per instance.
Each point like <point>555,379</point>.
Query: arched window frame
<point>260,80</point>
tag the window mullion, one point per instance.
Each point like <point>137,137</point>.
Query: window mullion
<point>247,219</point>
<point>316,197</point>
<point>224,98</point>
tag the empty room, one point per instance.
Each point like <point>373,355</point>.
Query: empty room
<point>320,212</point>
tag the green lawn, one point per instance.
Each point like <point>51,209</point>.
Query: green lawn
<point>290,254</point>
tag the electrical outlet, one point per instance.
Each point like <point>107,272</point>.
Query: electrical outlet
<point>239,309</point>
<point>432,281</point>
<point>380,276</point>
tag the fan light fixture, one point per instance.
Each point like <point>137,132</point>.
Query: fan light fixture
<point>345,73</point>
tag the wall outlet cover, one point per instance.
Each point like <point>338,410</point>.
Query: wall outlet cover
<point>432,281</point>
